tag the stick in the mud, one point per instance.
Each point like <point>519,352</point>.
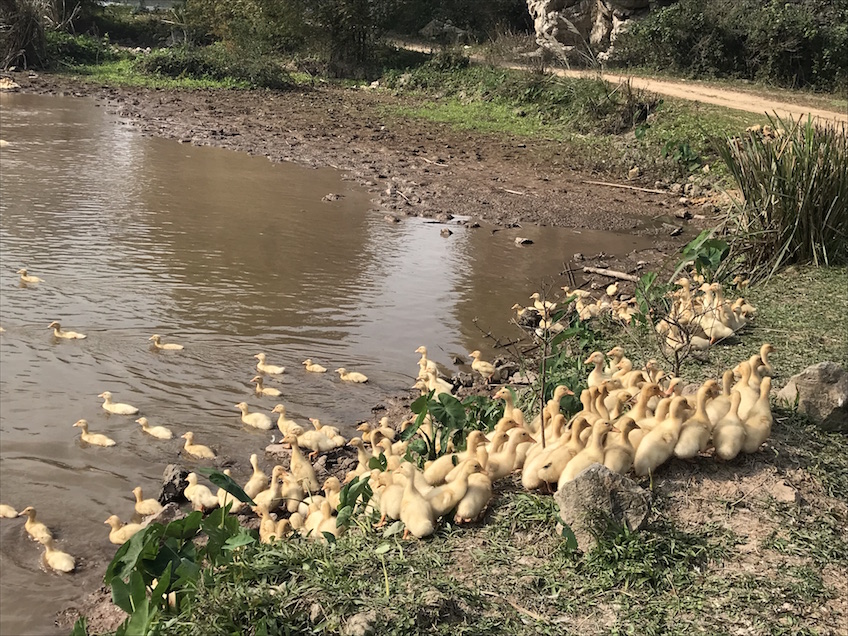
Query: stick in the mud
<point>626,187</point>
<point>611,273</point>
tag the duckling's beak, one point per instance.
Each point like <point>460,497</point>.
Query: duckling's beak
<point>102,395</point>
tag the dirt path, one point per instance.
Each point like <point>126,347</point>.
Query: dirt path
<point>681,89</point>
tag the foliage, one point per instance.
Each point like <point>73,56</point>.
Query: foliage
<point>216,62</point>
<point>794,180</point>
<point>681,153</point>
<point>705,253</point>
<point>479,18</point>
<point>258,26</point>
<point>448,420</point>
<point>790,44</point>
<point>352,498</point>
<point>66,49</point>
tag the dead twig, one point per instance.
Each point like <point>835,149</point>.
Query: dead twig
<point>611,273</point>
<point>625,187</point>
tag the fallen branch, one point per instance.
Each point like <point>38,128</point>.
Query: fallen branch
<point>611,273</point>
<point>625,187</point>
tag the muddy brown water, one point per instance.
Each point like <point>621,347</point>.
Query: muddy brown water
<point>229,255</point>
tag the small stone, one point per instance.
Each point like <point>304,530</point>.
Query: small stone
<point>445,232</point>
<point>676,231</point>
<point>390,218</point>
<point>171,512</point>
<point>634,173</point>
<point>784,493</point>
<point>332,197</point>
<point>692,190</point>
<point>462,379</point>
<point>472,224</point>
<point>821,392</point>
<point>660,185</point>
<point>520,240</point>
<point>683,201</point>
<point>683,214</point>
<point>675,188</point>
<point>578,256</point>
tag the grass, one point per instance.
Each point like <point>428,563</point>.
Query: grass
<point>123,73</point>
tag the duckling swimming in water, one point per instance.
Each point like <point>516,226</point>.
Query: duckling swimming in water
<point>67,335</point>
<point>95,439</point>
<point>167,346</point>
<point>27,278</point>
<point>116,407</point>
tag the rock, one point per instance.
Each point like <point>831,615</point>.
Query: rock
<point>445,232</point>
<point>784,493</point>
<point>675,188</point>
<point>461,378</point>
<point>690,389</point>
<point>332,197</point>
<point>390,218</point>
<point>598,496</point>
<point>525,377</point>
<point>821,392</point>
<point>361,624</point>
<point>472,224</point>
<point>171,512</point>
<point>676,231</point>
<point>683,213</point>
<point>578,256</point>
<point>520,240</point>
<point>173,484</point>
<point>692,190</point>
<point>634,173</point>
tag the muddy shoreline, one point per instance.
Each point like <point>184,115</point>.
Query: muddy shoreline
<point>409,167</point>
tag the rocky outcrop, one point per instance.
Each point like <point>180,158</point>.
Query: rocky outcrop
<point>567,27</point>
<point>822,393</point>
<point>598,497</point>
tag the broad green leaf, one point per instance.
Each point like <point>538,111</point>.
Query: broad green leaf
<point>142,545</point>
<point>121,595</point>
<point>382,548</point>
<point>239,540</point>
<point>138,591</point>
<point>185,528</point>
<point>80,627</point>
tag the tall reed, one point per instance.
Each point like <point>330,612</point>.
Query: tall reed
<point>793,176</point>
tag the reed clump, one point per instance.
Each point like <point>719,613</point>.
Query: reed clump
<point>793,176</point>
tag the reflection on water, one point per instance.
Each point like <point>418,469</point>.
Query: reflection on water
<point>229,255</point>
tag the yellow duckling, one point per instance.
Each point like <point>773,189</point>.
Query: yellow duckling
<point>301,468</point>
<point>159,432</point>
<point>121,532</point>
<point>317,441</point>
<point>67,335</point>
<point>478,495</point>
<point>759,420</point>
<point>510,410</point>
<point>362,460</point>
<point>597,377</point>
<point>200,496</point>
<point>503,463</point>
<point>267,526</point>
<point>27,278</point>
<point>416,512</point>
<point>284,528</point>
<point>116,407</point>
<point>312,367</point>
<point>264,367</point>
<point>166,346</point>
<point>425,363</point>
<point>329,524</point>
<point>95,439</point>
<point>196,450</point>
<point>485,369</point>
<point>225,498</point>
<point>593,453</point>
<point>35,528</point>
<point>284,423</point>
<point>145,507</point>
<point>657,446</point>
<point>329,431</point>
<point>695,433</point>
<point>618,455</point>
<point>258,480</point>
<point>263,390</point>
<point>351,376</point>
<point>444,498</point>
<point>292,492</point>
<point>729,432</point>
<point>256,420</point>
<point>56,559</point>
<point>7,512</point>
<point>272,498</point>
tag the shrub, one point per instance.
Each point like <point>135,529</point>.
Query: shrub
<point>791,44</point>
<point>216,62</point>
<point>64,48</point>
<point>794,179</point>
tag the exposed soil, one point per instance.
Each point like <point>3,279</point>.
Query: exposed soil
<point>411,167</point>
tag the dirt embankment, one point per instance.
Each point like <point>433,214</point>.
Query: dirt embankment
<point>411,167</point>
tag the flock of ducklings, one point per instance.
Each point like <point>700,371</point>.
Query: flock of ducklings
<point>322,438</point>
<point>700,314</point>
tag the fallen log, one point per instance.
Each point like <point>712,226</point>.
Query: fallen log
<point>611,273</point>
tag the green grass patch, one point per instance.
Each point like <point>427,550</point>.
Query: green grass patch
<point>124,73</point>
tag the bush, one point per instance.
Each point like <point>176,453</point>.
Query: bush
<point>64,48</point>
<point>794,177</point>
<point>790,44</point>
<point>216,62</point>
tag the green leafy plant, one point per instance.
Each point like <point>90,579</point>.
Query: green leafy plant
<point>352,498</point>
<point>705,253</point>
<point>682,154</point>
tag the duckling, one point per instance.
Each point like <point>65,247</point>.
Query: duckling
<point>444,498</point>
<point>166,346</point>
<point>56,559</point>
<point>544,307</point>
<point>284,528</point>
<point>145,507</point>
<point>729,432</point>
<point>597,376</point>
<point>390,502</point>
<point>766,369</point>
<point>329,524</point>
<point>28,278</point>
<point>425,363</point>
<point>270,369</point>
<point>657,446</point>
<point>292,492</point>
<point>435,472</point>
<point>200,496</point>
<point>553,458</point>
<point>415,511</point>
<point>116,407</point>
<point>351,376</point>
<point>95,439</point>
<point>759,420</point>
<point>695,433</point>
<point>510,410</point>
<point>265,390</point>
<point>485,369</point>
<point>362,457</point>
<point>225,498</point>
<point>593,453</point>
<point>197,450</point>
<point>312,367</point>
<point>267,526</point>
<point>67,335</point>
<point>258,480</point>
<point>256,420</point>
<point>720,405</point>
<point>329,431</point>
<point>284,423</point>
<point>332,491</point>
<point>618,454</point>
<point>35,528</point>
<point>477,496</point>
<point>434,383</point>
<point>750,395</point>
<point>121,532</point>
<point>301,468</point>
<point>7,512</point>
<point>503,463</point>
<point>317,441</point>
<point>159,432</point>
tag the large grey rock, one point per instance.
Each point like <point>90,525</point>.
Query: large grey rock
<point>565,25</point>
<point>822,393</point>
<point>598,496</point>
<point>173,484</point>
